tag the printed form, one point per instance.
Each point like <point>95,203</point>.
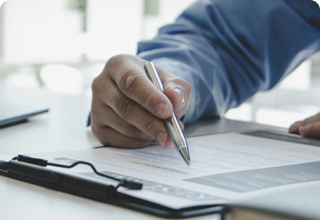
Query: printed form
<point>223,166</point>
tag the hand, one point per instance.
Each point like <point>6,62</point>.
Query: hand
<point>309,127</point>
<point>128,111</point>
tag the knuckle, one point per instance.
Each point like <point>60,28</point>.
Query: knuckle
<point>126,109</point>
<point>114,61</point>
<point>132,143</point>
<point>129,81</point>
<point>149,127</point>
<point>147,97</point>
<point>311,127</point>
<point>96,85</point>
<point>127,78</point>
<point>136,133</point>
<point>117,60</point>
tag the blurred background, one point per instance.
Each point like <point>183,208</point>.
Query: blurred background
<point>62,45</point>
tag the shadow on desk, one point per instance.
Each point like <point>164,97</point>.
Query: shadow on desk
<point>14,123</point>
<point>216,125</point>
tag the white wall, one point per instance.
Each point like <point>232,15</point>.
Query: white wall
<point>39,31</point>
<point>44,31</point>
<point>114,27</point>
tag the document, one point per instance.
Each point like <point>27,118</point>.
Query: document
<point>223,167</point>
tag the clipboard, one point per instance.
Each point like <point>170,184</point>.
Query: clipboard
<point>63,182</point>
<point>95,189</point>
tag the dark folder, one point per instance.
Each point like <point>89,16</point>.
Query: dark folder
<point>46,177</point>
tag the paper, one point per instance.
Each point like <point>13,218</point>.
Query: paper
<point>223,166</point>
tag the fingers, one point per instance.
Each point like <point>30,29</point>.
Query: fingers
<point>108,118</point>
<point>311,130</point>
<point>122,102</point>
<point>136,107</point>
<point>110,137</point>
<point>133,82</point>
<point>309,127</point>
<point>128,110</point>
<point>109,127</point>
<point>294,128</point>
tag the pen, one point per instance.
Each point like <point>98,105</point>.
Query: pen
<point>172,123</point>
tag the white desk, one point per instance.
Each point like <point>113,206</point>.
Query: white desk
<point>63,128</point>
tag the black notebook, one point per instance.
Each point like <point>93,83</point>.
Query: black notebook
<point>14,113</point>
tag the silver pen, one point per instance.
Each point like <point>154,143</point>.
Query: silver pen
<point>172,123</point>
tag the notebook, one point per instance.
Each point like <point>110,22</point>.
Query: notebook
<point>12,113</point>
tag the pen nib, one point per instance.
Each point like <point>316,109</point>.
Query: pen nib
<point>185,154</point>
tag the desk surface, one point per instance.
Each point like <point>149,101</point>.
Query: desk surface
<point>64,128</point>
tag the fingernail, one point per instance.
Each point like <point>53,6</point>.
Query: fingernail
<point>181,95</point>
<point>161,138</point>
<point>162,109</point>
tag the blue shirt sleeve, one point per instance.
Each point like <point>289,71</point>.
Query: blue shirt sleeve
<point>230,49</point>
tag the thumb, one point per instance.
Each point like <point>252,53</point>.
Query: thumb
<point>177,90</point>
<point>179,95</point>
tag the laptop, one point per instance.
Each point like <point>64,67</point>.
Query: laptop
<point>11,113</point>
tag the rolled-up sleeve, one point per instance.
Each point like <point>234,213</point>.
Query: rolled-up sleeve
<point>230,49</point>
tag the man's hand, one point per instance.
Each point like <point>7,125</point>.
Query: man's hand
<point>309,127</point>
<point>127,109</point>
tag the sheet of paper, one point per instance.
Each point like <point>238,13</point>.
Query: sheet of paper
<point>223,166</point>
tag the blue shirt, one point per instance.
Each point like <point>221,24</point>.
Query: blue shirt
<point>230,49</point>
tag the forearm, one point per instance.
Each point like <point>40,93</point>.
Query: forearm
<point>228,50</point>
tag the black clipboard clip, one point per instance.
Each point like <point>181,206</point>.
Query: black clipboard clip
<point>44,163</point>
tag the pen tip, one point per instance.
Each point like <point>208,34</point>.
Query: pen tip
<point>185,155</point>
